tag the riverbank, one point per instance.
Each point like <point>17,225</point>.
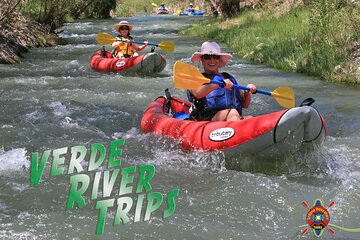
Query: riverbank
<point>316,39</point>
<point>18,35</point>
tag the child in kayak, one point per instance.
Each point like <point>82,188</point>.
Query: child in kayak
<point>125,49</point>
<point>217,102</point>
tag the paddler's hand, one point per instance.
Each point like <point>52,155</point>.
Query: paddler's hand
<point>146,43</point>
<point>252,88</point>
<point>115,44</point>
<point>229,84</point>
<point>219,80</point>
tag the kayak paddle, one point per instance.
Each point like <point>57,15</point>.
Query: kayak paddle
<point>104,38</point>
<point>154,4</point>
<point>187,76</point>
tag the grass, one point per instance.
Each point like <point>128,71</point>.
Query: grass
<point>129,8</point>
<point>316,39</point>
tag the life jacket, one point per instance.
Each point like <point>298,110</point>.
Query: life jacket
<point>218,99</point>
<point>125,48</point>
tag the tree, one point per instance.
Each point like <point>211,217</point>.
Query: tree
<point>54,12</point>
<point>7,8</point>
<point>226,8</point>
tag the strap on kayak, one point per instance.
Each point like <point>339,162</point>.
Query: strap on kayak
<point>168,109</point>
<point>168,103</point>
<point>103,52</point>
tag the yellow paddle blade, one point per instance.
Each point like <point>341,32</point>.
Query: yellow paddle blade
<point>167,46</point>
<point>154,4</point>
<point>187,76</point>
<point>178,11</point>
<point>196,8</point>
<point>104,38</point>
<point>284,96</point>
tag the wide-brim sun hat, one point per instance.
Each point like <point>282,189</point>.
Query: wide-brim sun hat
<point>122,23</point>
<point>211,48</point>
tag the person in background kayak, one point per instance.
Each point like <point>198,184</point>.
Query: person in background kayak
<point>217,102</point>
<point>125,49</point>
<point>163,8</point>
<point>191,8</point>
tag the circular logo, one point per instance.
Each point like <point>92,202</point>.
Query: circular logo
<point>120,64</point>
<point>221,134</point>
<point>318,217</point>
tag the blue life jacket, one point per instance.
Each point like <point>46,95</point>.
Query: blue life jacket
<point>219,99</point>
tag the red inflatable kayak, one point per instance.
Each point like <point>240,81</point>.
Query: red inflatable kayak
<point>146,63</point>
<point>162,11</point>
<point>281,131</point>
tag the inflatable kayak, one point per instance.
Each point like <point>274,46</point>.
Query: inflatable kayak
<point>196,13</point>
<point>145,63</point>
<point>274,133</point>
<point>162,11</point>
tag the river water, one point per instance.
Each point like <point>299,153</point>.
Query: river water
<point>52,99</point>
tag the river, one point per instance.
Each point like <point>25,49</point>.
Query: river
<point>52,99</point>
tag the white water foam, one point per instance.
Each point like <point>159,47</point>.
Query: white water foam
<point>73,35</point>
<point>7,126</point>
<point>35,80</point>
<point>68,122</point>
<point>137,95</point>
<point>163,151</point>
<point>59,109</point>
<point>13,160</point>
<point>34,116</point>
<point>75,46</point>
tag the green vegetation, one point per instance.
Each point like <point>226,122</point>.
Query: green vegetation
<point>316,39</point>
<point>54,13</point>
<point>128,8</point>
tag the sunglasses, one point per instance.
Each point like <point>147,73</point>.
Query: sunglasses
<point>124,28</point>
<point>208,57</point>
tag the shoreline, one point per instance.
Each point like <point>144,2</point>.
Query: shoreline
<point>19,35</point>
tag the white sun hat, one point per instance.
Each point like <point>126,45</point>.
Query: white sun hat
<point>123,23</point>
<point>211,48</point>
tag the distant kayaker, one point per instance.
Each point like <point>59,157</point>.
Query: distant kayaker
<point>217,102</point>
<point>191,8</point>
<point>128,48</point>
<point>163,8</point>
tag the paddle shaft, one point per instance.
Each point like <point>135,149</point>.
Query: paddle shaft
<point>273,94</point>
<point>246,88</point>
<point>151,44</point>
<point>104,38</point>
